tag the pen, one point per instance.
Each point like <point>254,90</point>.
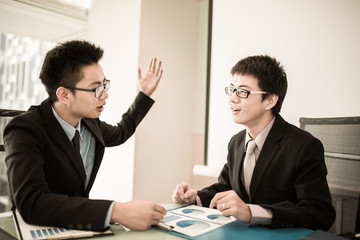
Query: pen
<point>164,226</point>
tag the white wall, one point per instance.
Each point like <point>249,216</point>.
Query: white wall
<point>163,140</point>
<point>131,32</point>
<point>114,25</point>
<point>317,41</point>
<point>170,140</point>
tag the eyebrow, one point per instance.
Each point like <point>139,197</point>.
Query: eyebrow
<point>97,82</point>
<point>240,86</point>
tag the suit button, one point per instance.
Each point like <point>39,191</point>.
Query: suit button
<point>71,226</point>
<point>88,226</point>
<point>79,226</point>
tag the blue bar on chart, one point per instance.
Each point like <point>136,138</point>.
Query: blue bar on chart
<point>41,233</point>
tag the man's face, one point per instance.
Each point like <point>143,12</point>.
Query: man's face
<point>250,111</point>
<point>85,104</point>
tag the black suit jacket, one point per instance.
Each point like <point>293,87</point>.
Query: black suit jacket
<point>46,175</point>
<point>289,178</point>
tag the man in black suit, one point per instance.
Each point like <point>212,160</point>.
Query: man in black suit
<point>287,187</point>
<point>55,149</point>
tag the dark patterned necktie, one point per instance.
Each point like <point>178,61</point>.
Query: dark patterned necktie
<point>76,141</point>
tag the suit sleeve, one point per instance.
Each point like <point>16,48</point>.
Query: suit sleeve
<point>313,208</point>
<point>45,187</point>
<point>25,149</point>
<point>225,178</point>
<point>222,185</point>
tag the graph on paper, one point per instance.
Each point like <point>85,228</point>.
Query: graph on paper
<point>194,220</point>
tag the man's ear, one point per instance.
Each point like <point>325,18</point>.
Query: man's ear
<point>63,94</point>
<point>271,101</point>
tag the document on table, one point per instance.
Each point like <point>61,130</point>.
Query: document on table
<point>193,220</point>
<point>30,232</point>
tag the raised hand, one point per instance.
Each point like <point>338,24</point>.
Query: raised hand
<point>149,82</point>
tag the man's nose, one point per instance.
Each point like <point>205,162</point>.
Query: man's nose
<point>233,97</point>
<point>104,94</point>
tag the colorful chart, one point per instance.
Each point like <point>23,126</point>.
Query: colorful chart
<point>193,224</point>
<point>45,232</point>
<point>170,218</point>
<point>191,211</point>
<point>218,217</point>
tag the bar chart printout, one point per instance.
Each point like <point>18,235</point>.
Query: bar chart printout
<point>32,232</point>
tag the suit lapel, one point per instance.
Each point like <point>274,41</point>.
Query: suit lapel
<point>93,127</point>
<point>57,133</point>
<point>239,166</point>
<point>270,148</point>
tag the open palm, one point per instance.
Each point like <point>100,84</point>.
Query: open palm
<point>149,82</point>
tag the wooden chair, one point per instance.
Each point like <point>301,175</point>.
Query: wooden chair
<point>341,139</point>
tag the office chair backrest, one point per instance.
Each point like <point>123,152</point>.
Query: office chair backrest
<point>5,116</point>
<point>357,223</point>
<point>341,139</point>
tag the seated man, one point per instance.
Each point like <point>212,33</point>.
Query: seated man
<point>55,149</point>
<point>282,180</point>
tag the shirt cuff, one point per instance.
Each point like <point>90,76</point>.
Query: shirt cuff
<point>198,201</point>
<point>108,216</point>
<point>260,215</point>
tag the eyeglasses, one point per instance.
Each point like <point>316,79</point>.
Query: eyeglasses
<point>240,92</point>
<point>98,91</point>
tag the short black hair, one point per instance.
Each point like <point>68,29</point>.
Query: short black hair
<point>270,74</point>
<point>63,64</point>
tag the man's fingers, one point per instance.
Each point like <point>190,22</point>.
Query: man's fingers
<point>182,193</point>
<point>158,69</point>
<point>154,222</point>
<point>159,77</point>
<point>150,65</point>
<point>160,209</point>
<point>182,190</point>
<point>226,212</point>
<point>158,216</point>
<point>153,66</point>
<point>139,73</point>
<point>218,197</point>
<point>189,193</point>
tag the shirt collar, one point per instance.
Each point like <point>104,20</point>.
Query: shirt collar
<point>69,130</point>
<point>261,137</point>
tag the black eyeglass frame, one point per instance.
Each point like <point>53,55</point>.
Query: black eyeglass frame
<point>98,91</point>
<point>229,90</point>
